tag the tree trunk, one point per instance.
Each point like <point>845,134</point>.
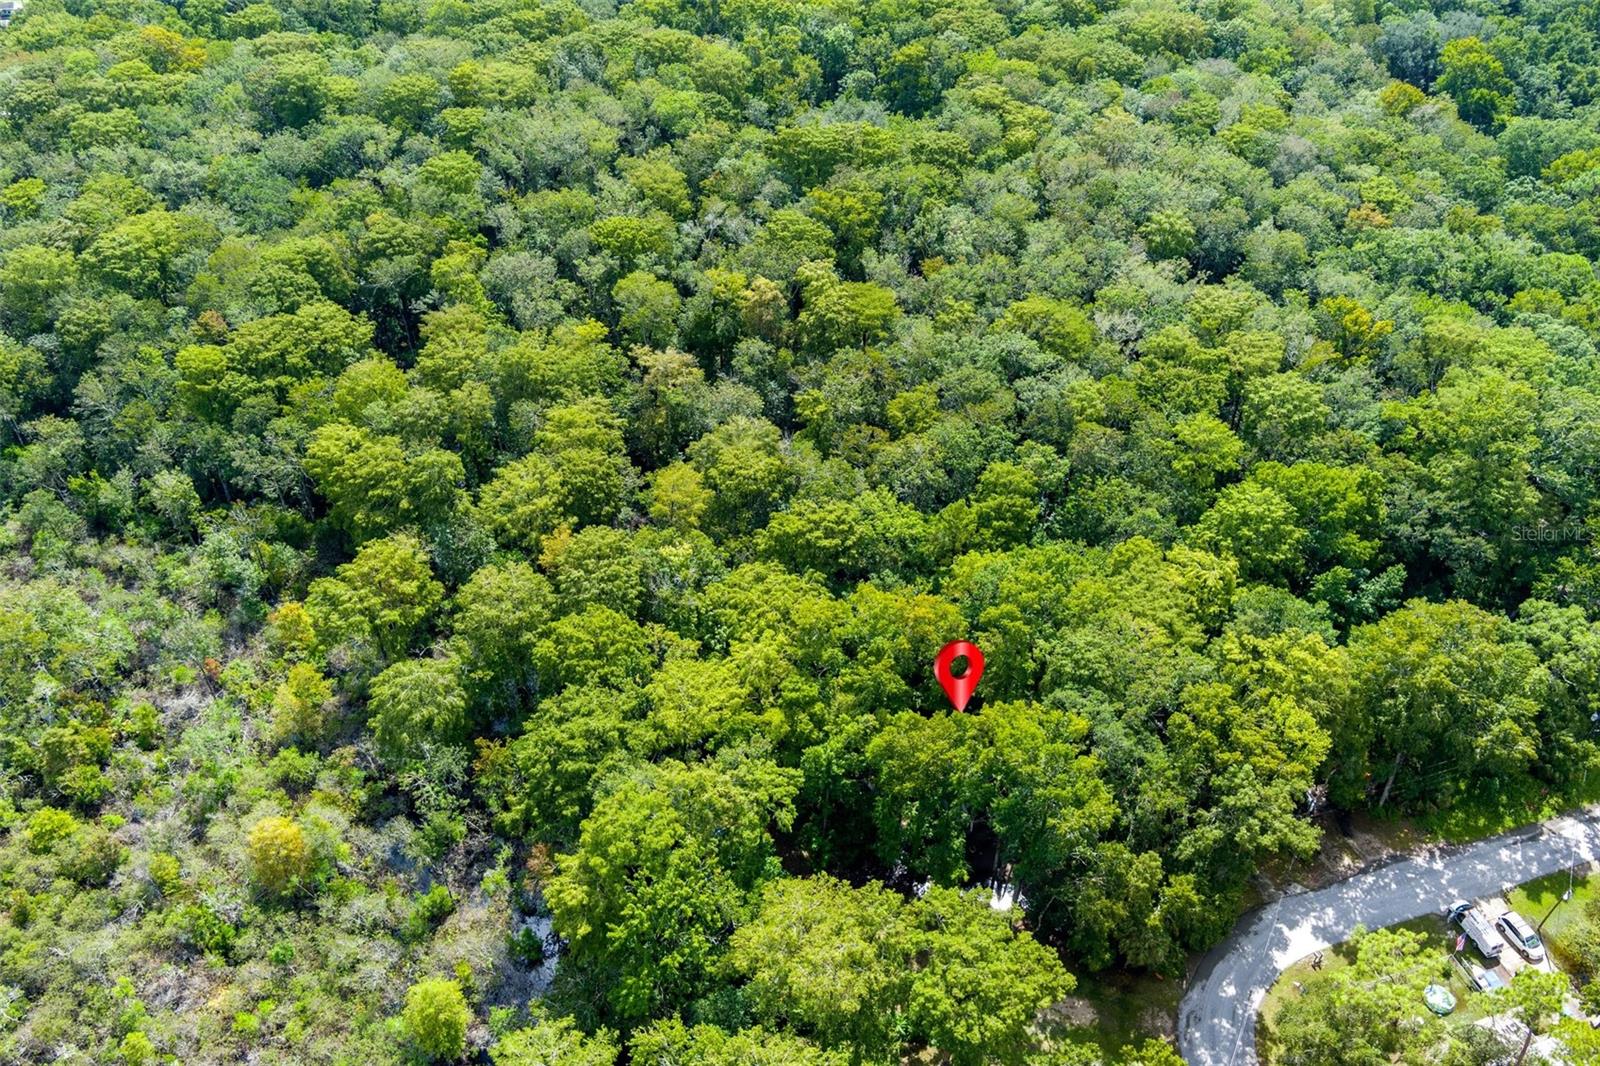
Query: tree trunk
<point>1526,1040</point>
<point>1387,785</point>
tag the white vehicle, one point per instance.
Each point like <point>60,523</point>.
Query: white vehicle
<point>1483,980</point>
<point>1522,936</point>
<point>1478,928</point>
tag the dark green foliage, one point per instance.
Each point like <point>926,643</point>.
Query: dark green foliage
<point>427,911</point>
<point>481,480</point>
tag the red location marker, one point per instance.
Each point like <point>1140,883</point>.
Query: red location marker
<point>959,689</point>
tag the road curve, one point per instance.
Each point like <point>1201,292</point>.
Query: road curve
<point>1217,1017</point>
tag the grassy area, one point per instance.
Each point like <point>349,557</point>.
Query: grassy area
<point>1484,813</point>
<point>1110,1011</point>
<point>1538,898</point>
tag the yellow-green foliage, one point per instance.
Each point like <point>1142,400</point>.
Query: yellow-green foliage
<point>279,856</point>
<point>436,1018</point>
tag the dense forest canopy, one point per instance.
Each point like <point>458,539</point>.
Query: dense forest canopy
<point>484,482</point>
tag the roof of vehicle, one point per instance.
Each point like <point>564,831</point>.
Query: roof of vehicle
<point>1517,923</point>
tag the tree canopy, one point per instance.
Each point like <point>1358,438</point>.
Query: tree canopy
<point>483,484</point>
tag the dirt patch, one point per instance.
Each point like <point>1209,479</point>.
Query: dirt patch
<point>1074,1012</point>
<point>1159,1021</point>
<point>1348,847</point>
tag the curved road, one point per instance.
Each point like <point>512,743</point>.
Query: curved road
<point>1217,1018</point>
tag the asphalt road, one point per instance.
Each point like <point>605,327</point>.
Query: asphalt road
<point>1217,1017</point>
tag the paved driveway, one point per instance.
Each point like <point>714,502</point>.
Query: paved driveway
<point>1217,1018</point>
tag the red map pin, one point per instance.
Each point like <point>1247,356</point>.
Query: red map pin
<point>959,689</point>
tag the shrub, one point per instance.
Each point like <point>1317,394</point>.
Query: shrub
<point>300,704</point>
<point>136,1049</point>
<point>280,859</point>
<point>294,770</point>
<point>436,1018</point>
<point>526,947</point>
<point>48,827</point>
<point>430,908</point>
<point>205,930</point>
<point>91,856</point>
<point>166,874</point>
<point>144,725</point>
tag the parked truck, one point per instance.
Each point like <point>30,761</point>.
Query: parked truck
<point>1479,929</point>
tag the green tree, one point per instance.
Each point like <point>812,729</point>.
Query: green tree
<point>417,707</point>
<point>830,959</point>
<point>1366,1011</point>
<point>293,88</point>
<point>838,314</point>
<point>554,1042</point>
<point>742,463</point>
<point>1340,507</point>
<point>1476,78</point>
<point>854,214</point>
<point>647,308</point>
<point>979,985</point>
<point>1168,235</point>
<point>661,184</point>
<point>1244,796</point>
<point>373,485</point>
<point>661,869</point>
<point>382,596</point>
<point>1059,327</point>
<point>678,496</point>
<point>1125,905</point>
<point>1536,998</point>
<point>1472,443</point>
<point>140,254</point>
<point>1442,691</point>
<point>1006,506</point>
<point>634,240</point>
<point>436,1017</point>
<point>498,617</point>
<point>300,704</point>
<point>280,858</point>
<point>136,1049</point>
<point>1206,450</point>
<point>595,645</point>
<point>33,279</point>
<point>1256,526</point>
<point>541,784</point>
<point>597,566</point>
<point>584,446</point>
<point>1282,415</point>
<point>526,501</point>
<point>408,101</point>
<point>671,1043</point>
